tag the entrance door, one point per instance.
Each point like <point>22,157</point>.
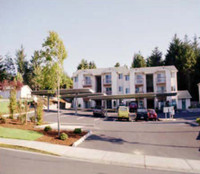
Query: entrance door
<point>109,104</point>
<point>150,103</point>
<point>183,104</point>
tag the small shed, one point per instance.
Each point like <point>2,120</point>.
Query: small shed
<point>184,98</point>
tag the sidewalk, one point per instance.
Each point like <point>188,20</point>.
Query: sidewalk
<point>115,158</point>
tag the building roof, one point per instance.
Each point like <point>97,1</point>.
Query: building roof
<point>155,68</point>
<point>99,71</point>
<point>184,94</point>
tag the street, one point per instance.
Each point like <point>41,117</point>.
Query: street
<point>18,162</point>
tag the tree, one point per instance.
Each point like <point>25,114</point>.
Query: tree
<point>20,60</point>
<point>83,65</point>
<point>173,52</point>
<point>54,54</point>
<point>117,64</point>
<point>9,67</point>
<point>138,61</point>
<point>155,59</point>
<point>92,65</point>
<point>13,102</point>
<point>66,81</point>
<point>2,70</point>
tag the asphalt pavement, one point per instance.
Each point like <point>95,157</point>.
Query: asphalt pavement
<point>176,139</point>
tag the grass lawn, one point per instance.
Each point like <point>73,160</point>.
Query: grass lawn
<point>19,134</point>
<point>4,107</point>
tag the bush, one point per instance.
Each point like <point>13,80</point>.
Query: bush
<point>2,120</point>
<point>13,103</point>
<point>63,136</point>
<point>198,120</point>
<point>22,118</point>
<point>32,119</point>
<point>77,131</point>
<point>39,112</point>
<point>47,128</point>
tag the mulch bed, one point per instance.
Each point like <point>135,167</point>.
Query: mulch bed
<point>50,137</point>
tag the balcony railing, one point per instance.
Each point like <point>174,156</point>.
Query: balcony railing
<point>161,80</point>
<point>108,92</point>
<point>139,81</point>
<point>87,83</point>
<point>107,81</point>
<point>139,91</point>
<point>161,91</point>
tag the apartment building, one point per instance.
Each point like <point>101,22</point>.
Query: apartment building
<point>160,80</point>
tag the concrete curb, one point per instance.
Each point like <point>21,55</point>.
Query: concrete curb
<point>75,144</point>
<point>114,158</point>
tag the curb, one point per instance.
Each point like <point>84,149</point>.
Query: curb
<point>75,144</point>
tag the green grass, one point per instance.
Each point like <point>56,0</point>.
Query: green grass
<point>4,109</point>
<point>26,149</point>
<point>19,134</point>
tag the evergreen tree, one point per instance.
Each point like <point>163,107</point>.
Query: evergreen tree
<point>92,65</point>
<point>138,61</point>
<point>83,65</point>
<point>9,67</point>
<point>13,102</point>
<point>117,64</point>
<point>2,70</point>
<point>155,59</point>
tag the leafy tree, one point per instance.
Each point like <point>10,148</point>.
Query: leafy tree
<point>117,64</point>
<point>155,59</point>
<point>19,77</point>
<point>83,65</point>
<point>13,102</point>
<point>66,81</point>
<point>92,65</point>
<point>138,61</point>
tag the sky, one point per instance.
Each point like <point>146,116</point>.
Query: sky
<point>103,31</point>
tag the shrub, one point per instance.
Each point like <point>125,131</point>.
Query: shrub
<point>39,112</point>
<point>63,136</point>
<point>32,119</point>
<point>77,131</point>
<point>2,120</point>
<point>22,118</point>
<point>198,120</point>
<point>47,128</point>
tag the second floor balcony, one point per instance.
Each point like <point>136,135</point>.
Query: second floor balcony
<point>161,80</point>
<point>87,83</point>
<point>107,82</point>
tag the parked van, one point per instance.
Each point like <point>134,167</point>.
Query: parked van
<point>123,113</point>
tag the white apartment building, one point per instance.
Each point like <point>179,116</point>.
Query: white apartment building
<point>161,81</point>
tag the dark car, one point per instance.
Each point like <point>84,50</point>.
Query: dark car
<point>133,106</point>
<point>142,114</point>
<point>99,111</point>
<point>152,115</point>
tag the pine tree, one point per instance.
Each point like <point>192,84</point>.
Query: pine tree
<point>138,61</point>
<point>155,59</point>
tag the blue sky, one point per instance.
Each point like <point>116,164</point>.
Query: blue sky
<point>104,31</point>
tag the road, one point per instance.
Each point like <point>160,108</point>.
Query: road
<point>18,162</point>
<point>167,139</point>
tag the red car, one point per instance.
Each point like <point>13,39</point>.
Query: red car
<point>152,115</point>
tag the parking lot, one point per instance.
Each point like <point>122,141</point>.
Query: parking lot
<point>179,138</point>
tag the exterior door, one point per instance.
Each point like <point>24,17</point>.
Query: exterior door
<point>183,104</point>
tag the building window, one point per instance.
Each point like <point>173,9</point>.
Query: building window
<point>127,90</point>
<point>127,77</point>
<point>120,88</point>
<point>161,89</point>
<point>173,88</point>
<point>76,79</point>
<point>139,79</point>
<point>108,91</point>
<point>139,89</point>
<point>108,78</point>
<point>173,74</point>
<point>120,76</point>
<point>88,80</point>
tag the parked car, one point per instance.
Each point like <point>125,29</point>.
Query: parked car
<point>99,111</point>
<point>152,115</point>
<point>142,114</point>
<point>133,106</point>
<point>123,113</point>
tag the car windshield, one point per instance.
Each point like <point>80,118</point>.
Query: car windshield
<point>152,111</point>
<point>142,110</point>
